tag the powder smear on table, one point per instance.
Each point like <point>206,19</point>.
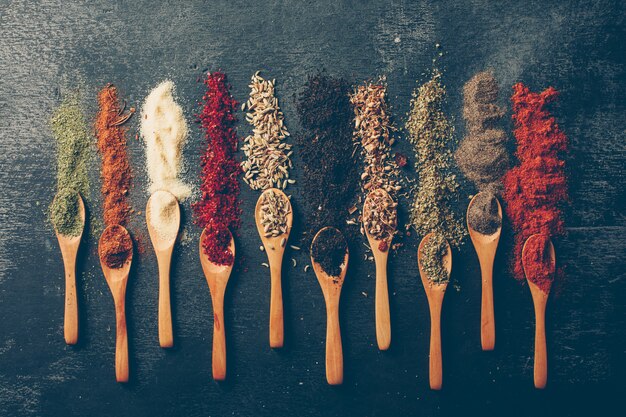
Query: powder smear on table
<point>115,174</point>
<point>164,129</point>
<point>267,162</point>
<point>218,208</point>
<point>73,139</point>
<point>329,250</point>
<point>116,246</point>
<point>330,179</point>
<point>535,189</point>
<point>432,136</point>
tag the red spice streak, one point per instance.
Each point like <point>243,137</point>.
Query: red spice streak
<point>218,208</point>
<point>535,188</point>
<point>539,266</point>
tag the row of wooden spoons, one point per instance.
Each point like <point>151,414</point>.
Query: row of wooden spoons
<point>217,278</point>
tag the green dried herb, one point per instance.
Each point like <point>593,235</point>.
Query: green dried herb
<point>431,261</point>
<point>71,133</point>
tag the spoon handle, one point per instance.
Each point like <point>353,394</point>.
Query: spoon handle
<point>334,351</point>
<point>435,365</point>
<point>383,321</point>
<point>121,342</point>
<point>541,351</point>
<point>276,306</point>
<point>166,334</point>
<point>487,319</point>
<point>70,320</point>
<point>219,340</point>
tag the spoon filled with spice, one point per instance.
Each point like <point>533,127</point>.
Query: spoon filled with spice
<point>329,257</point>
<point>539,262</point>
<point>217,272</point>
<point>434,258</point>
<point>116,253</point>
<point>163,220</point>
<point>380,219</point>
<point>484,223</point>
<point>68,218</point>
<point>274,219</point>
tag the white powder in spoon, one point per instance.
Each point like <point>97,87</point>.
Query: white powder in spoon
<point>163,215</point>
<point>164,130</point>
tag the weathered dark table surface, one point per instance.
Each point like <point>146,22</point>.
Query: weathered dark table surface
<point>50,46</point>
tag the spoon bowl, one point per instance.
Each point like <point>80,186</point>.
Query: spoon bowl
<point>540,300</point>
<point>69,250</point>
<point>217,277</point>
<point>275,248</point>
<point>117,278</point>
<point>163,242</point>
<point>486,247</point>
<point>434,294</point>
<point>331,289</point>
<point>383,320</point>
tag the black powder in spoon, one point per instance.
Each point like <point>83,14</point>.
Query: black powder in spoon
<point>329,250</point>
<point>483,214</point>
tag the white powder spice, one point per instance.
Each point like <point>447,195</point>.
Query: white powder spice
<point>164,130</point>
<point>163,217</point>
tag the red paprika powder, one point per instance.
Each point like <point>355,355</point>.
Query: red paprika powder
<point>538,263</point>
<point>537,187</point>
<point>218,208</point>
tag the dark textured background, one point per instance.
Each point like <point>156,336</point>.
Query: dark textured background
<point>49,46</point>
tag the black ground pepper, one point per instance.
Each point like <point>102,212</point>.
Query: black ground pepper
<point>329,250</point>
<point>483,214</point>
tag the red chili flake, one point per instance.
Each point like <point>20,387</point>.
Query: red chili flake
<point>401,159</point>
<point>383,245</point>
<point>218,209</point>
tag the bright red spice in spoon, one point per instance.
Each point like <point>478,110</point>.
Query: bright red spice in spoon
<point>538,262</point>
<point>218,208</point>
<point>537,187</point>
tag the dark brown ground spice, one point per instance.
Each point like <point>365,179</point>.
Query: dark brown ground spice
<point>330,180</point>
<point>329,250</point>
<point>115,247</point>
<point>483,214</point>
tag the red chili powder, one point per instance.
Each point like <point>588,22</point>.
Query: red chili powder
<point>116,246</point>
<point>218,208</point>
<point>536,188</point>
<point>116,175</point>
<point>539,266</point>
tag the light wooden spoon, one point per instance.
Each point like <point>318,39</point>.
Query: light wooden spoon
<point>163,247</point>
<point>275,251</point>
<point>217,277</point>
<point>331,288</point>
<point>486,247</point>
<point>434,294</point>
<point>540,299</point>
<point>383,320</point>
<point>117,278</point>
<point>69,249</point>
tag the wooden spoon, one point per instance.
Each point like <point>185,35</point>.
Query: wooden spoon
<point>383,320</point>
<point>117,278</point>
<point>163,247</point>
<point>331,288</point>
<point>217,278</point>
<point>486,247</point>
<point>69,249</point>
<point>275,251</point>
<point>434,294</point>
<point>540,299</point>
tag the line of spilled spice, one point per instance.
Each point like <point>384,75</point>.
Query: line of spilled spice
<point>267,162</point>
<point>482,155</point>
<point>73,139</point>
<point>116,174</point>
<point>372,129</point>
<point>116,246</point>
<point>164,130</point>
<point>274,211</point>
<point>535,189</point>
<point>380,218</point>
<point>329,250</point>
<point>539,267</point>
<point>218,208</point>
<point>432,136</point>
<point>330,179</point>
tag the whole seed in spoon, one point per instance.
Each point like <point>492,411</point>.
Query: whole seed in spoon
<point>274,210</point>
<point>380,217</point>
<point>267,162</point>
